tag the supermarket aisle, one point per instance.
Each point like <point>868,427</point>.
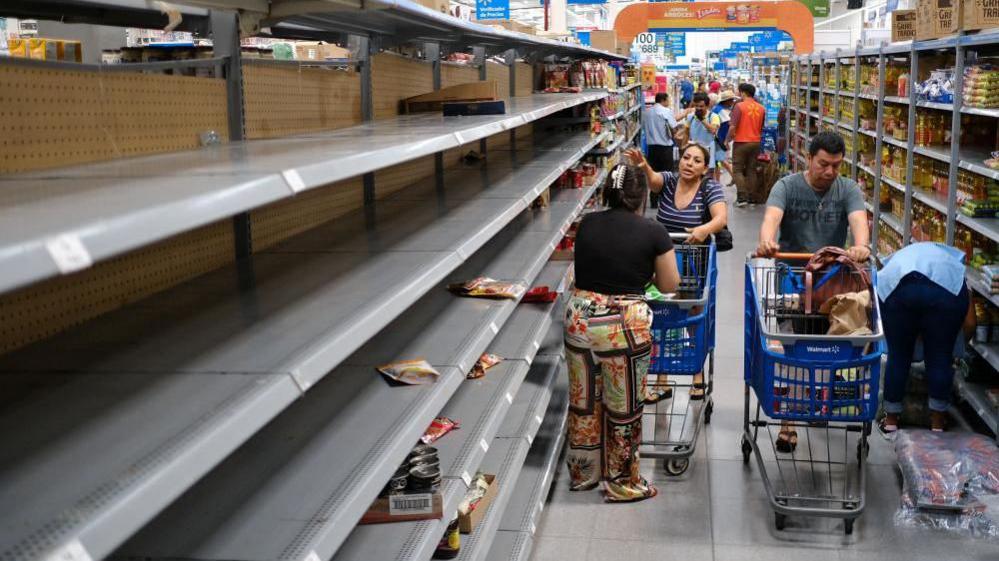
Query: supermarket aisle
<point>718,509</point>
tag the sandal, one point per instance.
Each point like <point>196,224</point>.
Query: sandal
<point>787,441</point>
<point>938,421</point>
<point>659,396</point>
<point>888,427</point>
<point>653,491</point>
<point>699,387</point>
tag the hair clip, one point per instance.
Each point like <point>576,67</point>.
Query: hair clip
<point>618,176</point>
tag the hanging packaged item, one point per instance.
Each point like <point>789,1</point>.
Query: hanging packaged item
<point>412,372</point>
<point>438,428</point>
<point>485,287</point>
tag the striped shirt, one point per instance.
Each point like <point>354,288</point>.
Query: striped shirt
<point>692,216</point>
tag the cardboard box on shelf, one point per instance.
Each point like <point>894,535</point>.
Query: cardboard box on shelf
<point>903,25</point>
<point>938,18</point>
<point>604,40</point>
<point>442,6</point>
<point>405,508</point>
<point>980,14</point>
<point>487,90</point>
<point>468,522</point>
<point>509,25</point>
<point>320,51</point>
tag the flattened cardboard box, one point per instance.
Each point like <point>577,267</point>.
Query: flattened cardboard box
<point>937,18</point>
<point>981,14</point>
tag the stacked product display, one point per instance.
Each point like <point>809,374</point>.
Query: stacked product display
<point>922,136</point>
<point>331,334</point>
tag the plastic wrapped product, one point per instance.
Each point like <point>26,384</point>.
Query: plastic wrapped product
<point>412,372</point>
<point>485,362</point>
<point>485,287</point>
<point>475,492</point>
<point>950,481</point>
<point>438,428</point>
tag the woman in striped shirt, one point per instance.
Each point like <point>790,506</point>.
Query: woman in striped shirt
<point>682,202</point>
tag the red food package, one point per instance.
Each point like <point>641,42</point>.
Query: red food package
<point>438,428</point>
<point>540,294</point>
<point>485,362</point>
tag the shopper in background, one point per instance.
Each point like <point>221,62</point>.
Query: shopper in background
<point>714,86</point>
<point>690,201</point>
<point>726,100</point>
<point>703,125</point>
<point>745,134</point>
<point>686,92</point>
<point>811,210</point>
<point>923,297</point>
<point>608,339</point>
<point>659,124</point>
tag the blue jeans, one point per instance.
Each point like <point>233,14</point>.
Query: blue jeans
<point>918,307</point>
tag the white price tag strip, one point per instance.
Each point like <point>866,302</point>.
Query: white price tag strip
<point>422,503</point>
<point>294,180</point>
<point>509,397</point>
<point>72,551</point>
<point>538,419</point>
<point>494,328</point>
<point>530,439</point>
<point>484,445</point>
<point>537,345</point>
<point>312,556</point>
<point>68,253</point>
<point>466,478</point>
<point>541,505</point>
<point>533,528</point>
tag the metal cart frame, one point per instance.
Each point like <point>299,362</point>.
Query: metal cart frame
<point>683,337</point>
<point>825,384</point>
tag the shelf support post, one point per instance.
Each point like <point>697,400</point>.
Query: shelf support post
<point>910,156</point>
<point>480,59</point>
<point>365,49</point>
<point>878,143</point>
<point>856,133</point>
<point>225,43</point>
<point>510,57</point>
<point>432,52</point>
<point>955,144</point>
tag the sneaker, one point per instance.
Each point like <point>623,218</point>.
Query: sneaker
<point>740,204</point>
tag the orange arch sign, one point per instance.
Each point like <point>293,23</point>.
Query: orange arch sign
<point>790,16</point>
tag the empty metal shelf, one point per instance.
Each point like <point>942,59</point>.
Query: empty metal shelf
<point>59,220</point>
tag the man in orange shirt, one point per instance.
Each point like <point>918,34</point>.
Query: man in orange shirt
<point>745,133</point>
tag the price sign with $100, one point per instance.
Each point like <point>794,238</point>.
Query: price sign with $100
<point>645,43</point>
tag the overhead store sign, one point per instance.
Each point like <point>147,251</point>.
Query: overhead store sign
<point>492,9</point>
<point>741,47</point>
<point>675,43</point>
<point>819,8</point>
<point>787,15</point>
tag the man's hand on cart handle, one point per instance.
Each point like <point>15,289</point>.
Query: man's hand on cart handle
<point>697,235</point>
<point>767,248</point>
<point>859,253</point>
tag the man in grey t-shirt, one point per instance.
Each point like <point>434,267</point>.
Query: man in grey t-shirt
<point>815,208</point>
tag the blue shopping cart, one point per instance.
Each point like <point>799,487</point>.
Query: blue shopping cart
<point>683,338</point>
<point>803,378</point>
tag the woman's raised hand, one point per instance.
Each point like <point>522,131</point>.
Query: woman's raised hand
<point>634,156</point>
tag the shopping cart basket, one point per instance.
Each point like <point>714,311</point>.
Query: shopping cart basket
<point>824,384</point>
<point>683,336</point>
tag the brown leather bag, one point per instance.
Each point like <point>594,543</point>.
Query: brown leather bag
<point>830,272</point>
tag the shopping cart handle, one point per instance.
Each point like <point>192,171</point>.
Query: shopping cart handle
<point>786,256</point>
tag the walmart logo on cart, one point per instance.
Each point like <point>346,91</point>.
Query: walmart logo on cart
<point>828,350</point>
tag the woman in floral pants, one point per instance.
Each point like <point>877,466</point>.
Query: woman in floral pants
<point>608,339</point>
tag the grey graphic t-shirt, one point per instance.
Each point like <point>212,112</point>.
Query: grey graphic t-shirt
<point>812,220</point>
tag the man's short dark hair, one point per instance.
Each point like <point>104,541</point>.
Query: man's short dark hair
<point>747,89</point>
<point>701,96</point>
<point>830,142</point>
<point>661,97</point>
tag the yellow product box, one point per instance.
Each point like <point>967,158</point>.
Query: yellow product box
<point>43,49</point>
<point>18,47</point>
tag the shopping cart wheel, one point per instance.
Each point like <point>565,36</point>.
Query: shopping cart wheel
<point>747,449</point>
<point>848,526</point>
<point>779,520</point>
<point>709,409</point>
<point>676,467</point>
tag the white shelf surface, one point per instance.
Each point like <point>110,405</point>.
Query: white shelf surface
<point>109,208</point>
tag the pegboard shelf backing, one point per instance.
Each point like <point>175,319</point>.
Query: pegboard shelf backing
<point>282,101</point>
<point>52,117</point>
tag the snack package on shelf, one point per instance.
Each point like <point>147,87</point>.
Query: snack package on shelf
<point>438,428</point>
<point>938,88</point>
<point>950,481</point>
<point>485,362</point>
<point>540,295</point>
<point>412,372</point>
<point>485,287</point>
<point>981,86</point>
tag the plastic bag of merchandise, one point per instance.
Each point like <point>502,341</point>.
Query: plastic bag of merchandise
<point>950,481</point>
